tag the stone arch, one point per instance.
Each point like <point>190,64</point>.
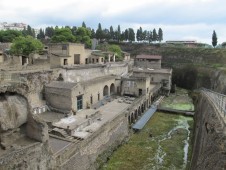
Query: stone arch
<point>139,111</point>
<point>142,108</point>
<point>105,91</point>
<point>112,89</point>
<point>129,119</point>
<point>132,118</point>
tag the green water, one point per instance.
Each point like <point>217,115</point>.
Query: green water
<point>164,143</point>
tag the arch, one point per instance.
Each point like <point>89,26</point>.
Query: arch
<point>142,108</point>
<point>105,91</point>
<point>129,121</point>
<point>112,89</point>
<point>132,118</point>
<point>139,111</point>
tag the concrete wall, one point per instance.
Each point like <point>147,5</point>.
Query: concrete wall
<point>77,49</point>
<point>209,144</point>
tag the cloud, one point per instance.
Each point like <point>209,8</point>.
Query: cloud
<point>178,19</point>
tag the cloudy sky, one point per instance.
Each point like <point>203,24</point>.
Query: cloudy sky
<point>179,19</point>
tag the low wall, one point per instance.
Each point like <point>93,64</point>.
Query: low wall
<point>32,157</point>
<point>209,143</point>
<point>83,155</point>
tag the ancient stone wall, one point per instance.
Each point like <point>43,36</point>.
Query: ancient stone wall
<point>209,143</point>
<point>31,157</point>
<point>83,155</point>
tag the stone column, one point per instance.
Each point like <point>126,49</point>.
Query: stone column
<point>114,58</point>
<point>109,58</point>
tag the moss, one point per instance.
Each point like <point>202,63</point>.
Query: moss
<point>140,151</point>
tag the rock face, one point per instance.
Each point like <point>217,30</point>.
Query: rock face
<point>209,146</point>
<point>13,111</point>
<point>37,129</point>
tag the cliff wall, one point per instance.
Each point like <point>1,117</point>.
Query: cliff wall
<point>209,142</point>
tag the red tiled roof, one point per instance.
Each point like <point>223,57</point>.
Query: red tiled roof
<point>149,57</point>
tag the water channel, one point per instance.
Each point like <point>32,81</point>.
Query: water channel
<point>164,142</point>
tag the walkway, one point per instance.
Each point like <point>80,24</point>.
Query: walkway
<point>148,114</point>
<point>218,100</point>
<point>145,118</point>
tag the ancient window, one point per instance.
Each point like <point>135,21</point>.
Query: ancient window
<point>140,92</point>
<point>64,47</point>
<point>102,59</point>
<point>65,62</point>
<point>97,60</point>
<point>98,96</point>
<point>91,99</point>
<point>79,102</point>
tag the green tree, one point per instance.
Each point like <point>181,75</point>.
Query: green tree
<point>63,35</point>
<point>41,34</point>
<point>25,46</point>
<point>118,33</point>
<point>93,34</point>
<point>83,24</point>
<point>160,35</point>
<point>112,34</point>
<point>9,35</point>
<point>154,35</point>
<point>99,32</point>
<point>214,39</point>
<point>49,32</point>
<point>83,36</point>
<point>131,37</point>
<point>117,50</point>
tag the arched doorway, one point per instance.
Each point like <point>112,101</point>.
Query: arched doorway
<point>112,89</point>
<point>142,108</point>
<point>105,91</point>
<point>132,118</point>
<point>129,121</point>
<point>139,111</point>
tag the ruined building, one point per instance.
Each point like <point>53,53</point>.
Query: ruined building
<point>82,105</point>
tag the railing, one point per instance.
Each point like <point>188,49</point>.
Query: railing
<point>219,100</point>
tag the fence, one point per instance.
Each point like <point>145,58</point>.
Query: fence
<point>219,100</point>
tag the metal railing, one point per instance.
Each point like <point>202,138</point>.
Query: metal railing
<point>219,100</point>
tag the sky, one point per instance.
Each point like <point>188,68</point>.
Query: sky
<point>179,19</point>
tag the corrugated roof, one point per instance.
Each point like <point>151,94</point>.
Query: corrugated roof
<point>61,85</point>
<point>144,119</point>
<point>142,56</point>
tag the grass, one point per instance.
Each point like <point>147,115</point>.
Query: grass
<point>179,101</point>
<point>140,151</point>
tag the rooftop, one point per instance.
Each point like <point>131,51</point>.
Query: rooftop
<point>142,56</point>
<point>148,70</point>
<point>61,85</point>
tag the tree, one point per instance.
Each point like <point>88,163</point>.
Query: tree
<point>154,35</point>
<point>9,35</point>
<point>118,33</point>
<point>49,32</point>
<point>63,35</point>
<point>126,34</point>
<point>83,24</point>
<point>117,50</point>
<point>131,35</point>
<point>25,46</point>
<point>93,34</point>
<point>41,34</point>
<point>214,39</point>
<point>99,32</point>
<point>112,34</point>
<point>160,35</point>
<point>83,36</point>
